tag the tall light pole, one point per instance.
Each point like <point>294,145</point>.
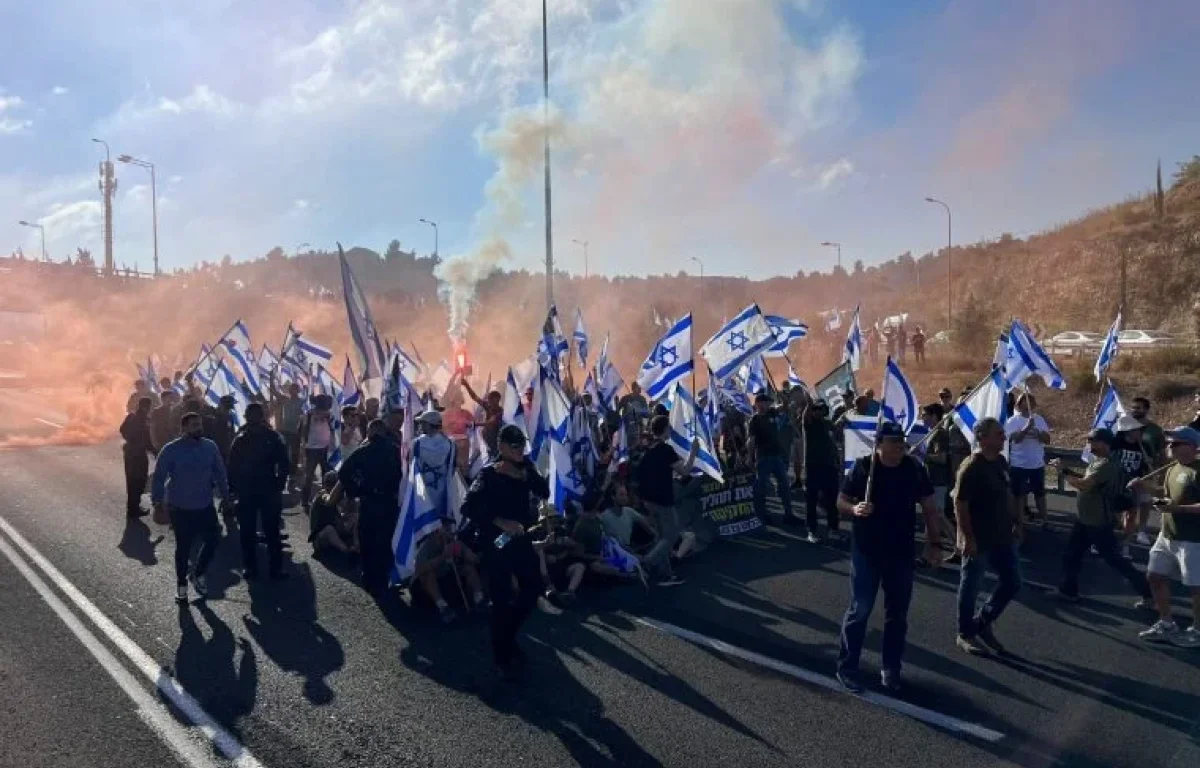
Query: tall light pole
<point>949,263</point>
<point>584,243</point>
<point>701,264</point>
<point>839,250</point>
<point>108,187</point>
<point>153,200</point>
<point>43,229</point>
<point>546,129</point>
<point>435,234</point>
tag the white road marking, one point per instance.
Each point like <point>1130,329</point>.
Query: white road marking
<point>47,422</point>
<point>896,705</point>
<point>224,741</point>
<point>151,711</point>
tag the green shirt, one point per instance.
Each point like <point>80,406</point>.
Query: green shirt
<point>983,485</point>
<point>620,526</point>
<point>1182,488</point>
<point>1095,505</point>
<point>1155,442</point>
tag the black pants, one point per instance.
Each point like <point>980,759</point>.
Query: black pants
<point>376,527</point>
<point>192,525</point>
<point>1105,541</point>
<point>510,610</point>
<point>137,470</point>
<point>249,510</point>
<point>821,488</point>
<point>313,458</point>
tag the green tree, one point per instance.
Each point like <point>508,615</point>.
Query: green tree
<point>975,324</point>
<point>393,252</point>
<point>1189,171</point>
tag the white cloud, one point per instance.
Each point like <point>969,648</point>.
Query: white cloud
<point>201,99</point>
<point>59,90</point>
<point>8,125</point>
<point>8,102</point>
<point>835,172</point>
<point>69,221</point>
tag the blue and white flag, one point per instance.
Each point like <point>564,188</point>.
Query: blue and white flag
<point>582,441</point>
<point>610,384</point>
<point>395,390</point>
<point>581,338</point>
<point>324,383</point>
<point>1108,352</point>
<point>1111,409</point>
<point>795,380</point>
<point>754,375</point>
<point>899,401</point>
<point>478,454</point>
<point>1000,357</point>
<point>1025,358</point>
<point>303,352</point>
<point>553,344</point>
<point>225,382</point>
<point>917,444</point>
<point>514,406</point>
<point>602,364</point>
<point>410,368</point>
<point>426,496</point>
<point>988,400</point>
<point>362,328</point>
<point>669,360</point>
<point>858,436</point>
<point>567,483</point>
<point>688,424</point>
<point>786,331</point>
<point>742,338</point>
<point>729,395</point>
<point>351,394</point>
<point>268,364</point>
<point>620,450</point>
<point>237,346</point>
<point>615,556</point>
<point>712,406</point>
<point>852,352</point>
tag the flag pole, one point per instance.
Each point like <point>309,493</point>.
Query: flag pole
<point>878,426</point>
<point>949,416</point>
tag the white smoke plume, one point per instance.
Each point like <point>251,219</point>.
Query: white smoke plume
<point>460,275</point>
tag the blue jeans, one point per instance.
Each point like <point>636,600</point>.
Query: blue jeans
<point>1006,564</point>
<point>771,467</point>
<point>867,574</point>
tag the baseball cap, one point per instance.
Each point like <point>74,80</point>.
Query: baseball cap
<point>431,418</point>
<point>890,429</point>
<point>511,434</point>
<point>1102,435</point>
<point>1184,435</point>
<point>1128,424</point>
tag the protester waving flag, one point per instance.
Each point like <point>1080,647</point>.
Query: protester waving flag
<point>237,346</point>
<point>687,425</point>
<point>303,351</point>
<point>551,413</point>
<point>1110,411</point>
<point>899,401</point>
<point>786,331</point>
<point>225,382</point>
<point>581,338</point>
<point>795,380</point>
<point>729,395</point>
<point>553,344</point>
<point>852,353</point>
<point>610,384</point>
<point>268,364</point>
<point>324,383</point>
<point>754,375</point>
<point>351,394</point>
<point>741,339</point>
<point>362,328</point>
<point>1108,351</point>
<point>989,399</point>
<point>669,360</point>
<point>858,437</point>
<point>1025,358</point>
<point>426,497</point>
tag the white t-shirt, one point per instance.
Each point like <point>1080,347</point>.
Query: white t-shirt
<point>1030,453</point>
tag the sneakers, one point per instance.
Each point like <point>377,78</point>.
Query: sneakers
<point>1161,632</point>
<point>181,595</point>
<point>850,681</point>
<point>984,633</point>
<point>970,645</point>
<point>1188,638</point>
<point>890,680</point>
<point>812,538</point>
<point>1144,539</point>
<point>200,584</point>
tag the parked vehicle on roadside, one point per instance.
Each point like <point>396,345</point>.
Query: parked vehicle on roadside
<point>1146,339</point>
<point>1073,343</point>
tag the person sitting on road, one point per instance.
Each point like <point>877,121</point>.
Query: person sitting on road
<point>442,558</point>
<point>330,527</point>
<point>621,520</point>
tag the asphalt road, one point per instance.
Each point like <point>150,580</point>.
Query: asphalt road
<point>311,672</point>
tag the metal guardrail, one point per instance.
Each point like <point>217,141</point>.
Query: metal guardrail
<point>1068,456</point>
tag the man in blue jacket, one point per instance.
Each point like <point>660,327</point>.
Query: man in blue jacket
<point>185,476</point>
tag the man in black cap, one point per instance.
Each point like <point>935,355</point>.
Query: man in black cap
<point>1097,507</point>
<point>372,475</point>
<point>988,532</point>
<point>881,494</point>
<point>258,471</point>
<point>500,503</point>
<point>138,449</point>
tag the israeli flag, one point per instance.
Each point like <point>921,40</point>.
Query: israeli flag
<point>742,338</point>
<point>303,351</point>
<point>224,382</point>
<point>362,328</point>
<point>396,389</point>
<point>1108,352</point>
<point>614,555</point>
<point>610,384</point>
<point>1000,357</point>
<point>426,496</point>
<point>479,454</point>
<point>334,452</point>
<point>712,406</point>
<point>268,363</point>
<point>550,414</point>
<point>795,380</point>
<point>582,441</point>
<point>687,424</point>
<point>236,343</point>
<point>553,344</point>
<point>989,399</point>
<point>899,401</point>
<point>852,353</point>
<point>1111,409</point>
<point>439,380</point>
<point>408,367</point>
<point>566,482</point>
<point>581,338</point>
<point>514,406</point>
<point>325,384</point>
<point>620,450</point>
<point>754,375</point>
<point>727,395</point>
<point>858,435</point>
<point>602,359</point>
<point>669,360</point>
<point>351,394</point>
<point>1025,358</point>
<point>914,437</point>
<point>786,331</point>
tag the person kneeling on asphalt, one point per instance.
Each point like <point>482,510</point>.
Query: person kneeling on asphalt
<point>442,558</point>
<point>329,526</point>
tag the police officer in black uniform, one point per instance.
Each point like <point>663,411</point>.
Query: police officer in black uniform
<point>258,473</point>
<point>372,475</point>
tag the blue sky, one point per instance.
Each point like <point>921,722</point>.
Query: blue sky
<point>741,132</point>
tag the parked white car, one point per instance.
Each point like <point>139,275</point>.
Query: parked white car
<point>1073,342</point>
<point>1144,339</point>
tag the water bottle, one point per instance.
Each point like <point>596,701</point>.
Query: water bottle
<point>503,539</point>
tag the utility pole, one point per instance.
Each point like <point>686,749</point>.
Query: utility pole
<point>546,128</point>
<point>108,187</point>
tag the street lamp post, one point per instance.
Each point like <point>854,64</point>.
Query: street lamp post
<point>949,263</point>
<point>153,200</point>
<point>435,234</point>
<point>839,250</point>
<point>43,230</point>
<point>584,243</point>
